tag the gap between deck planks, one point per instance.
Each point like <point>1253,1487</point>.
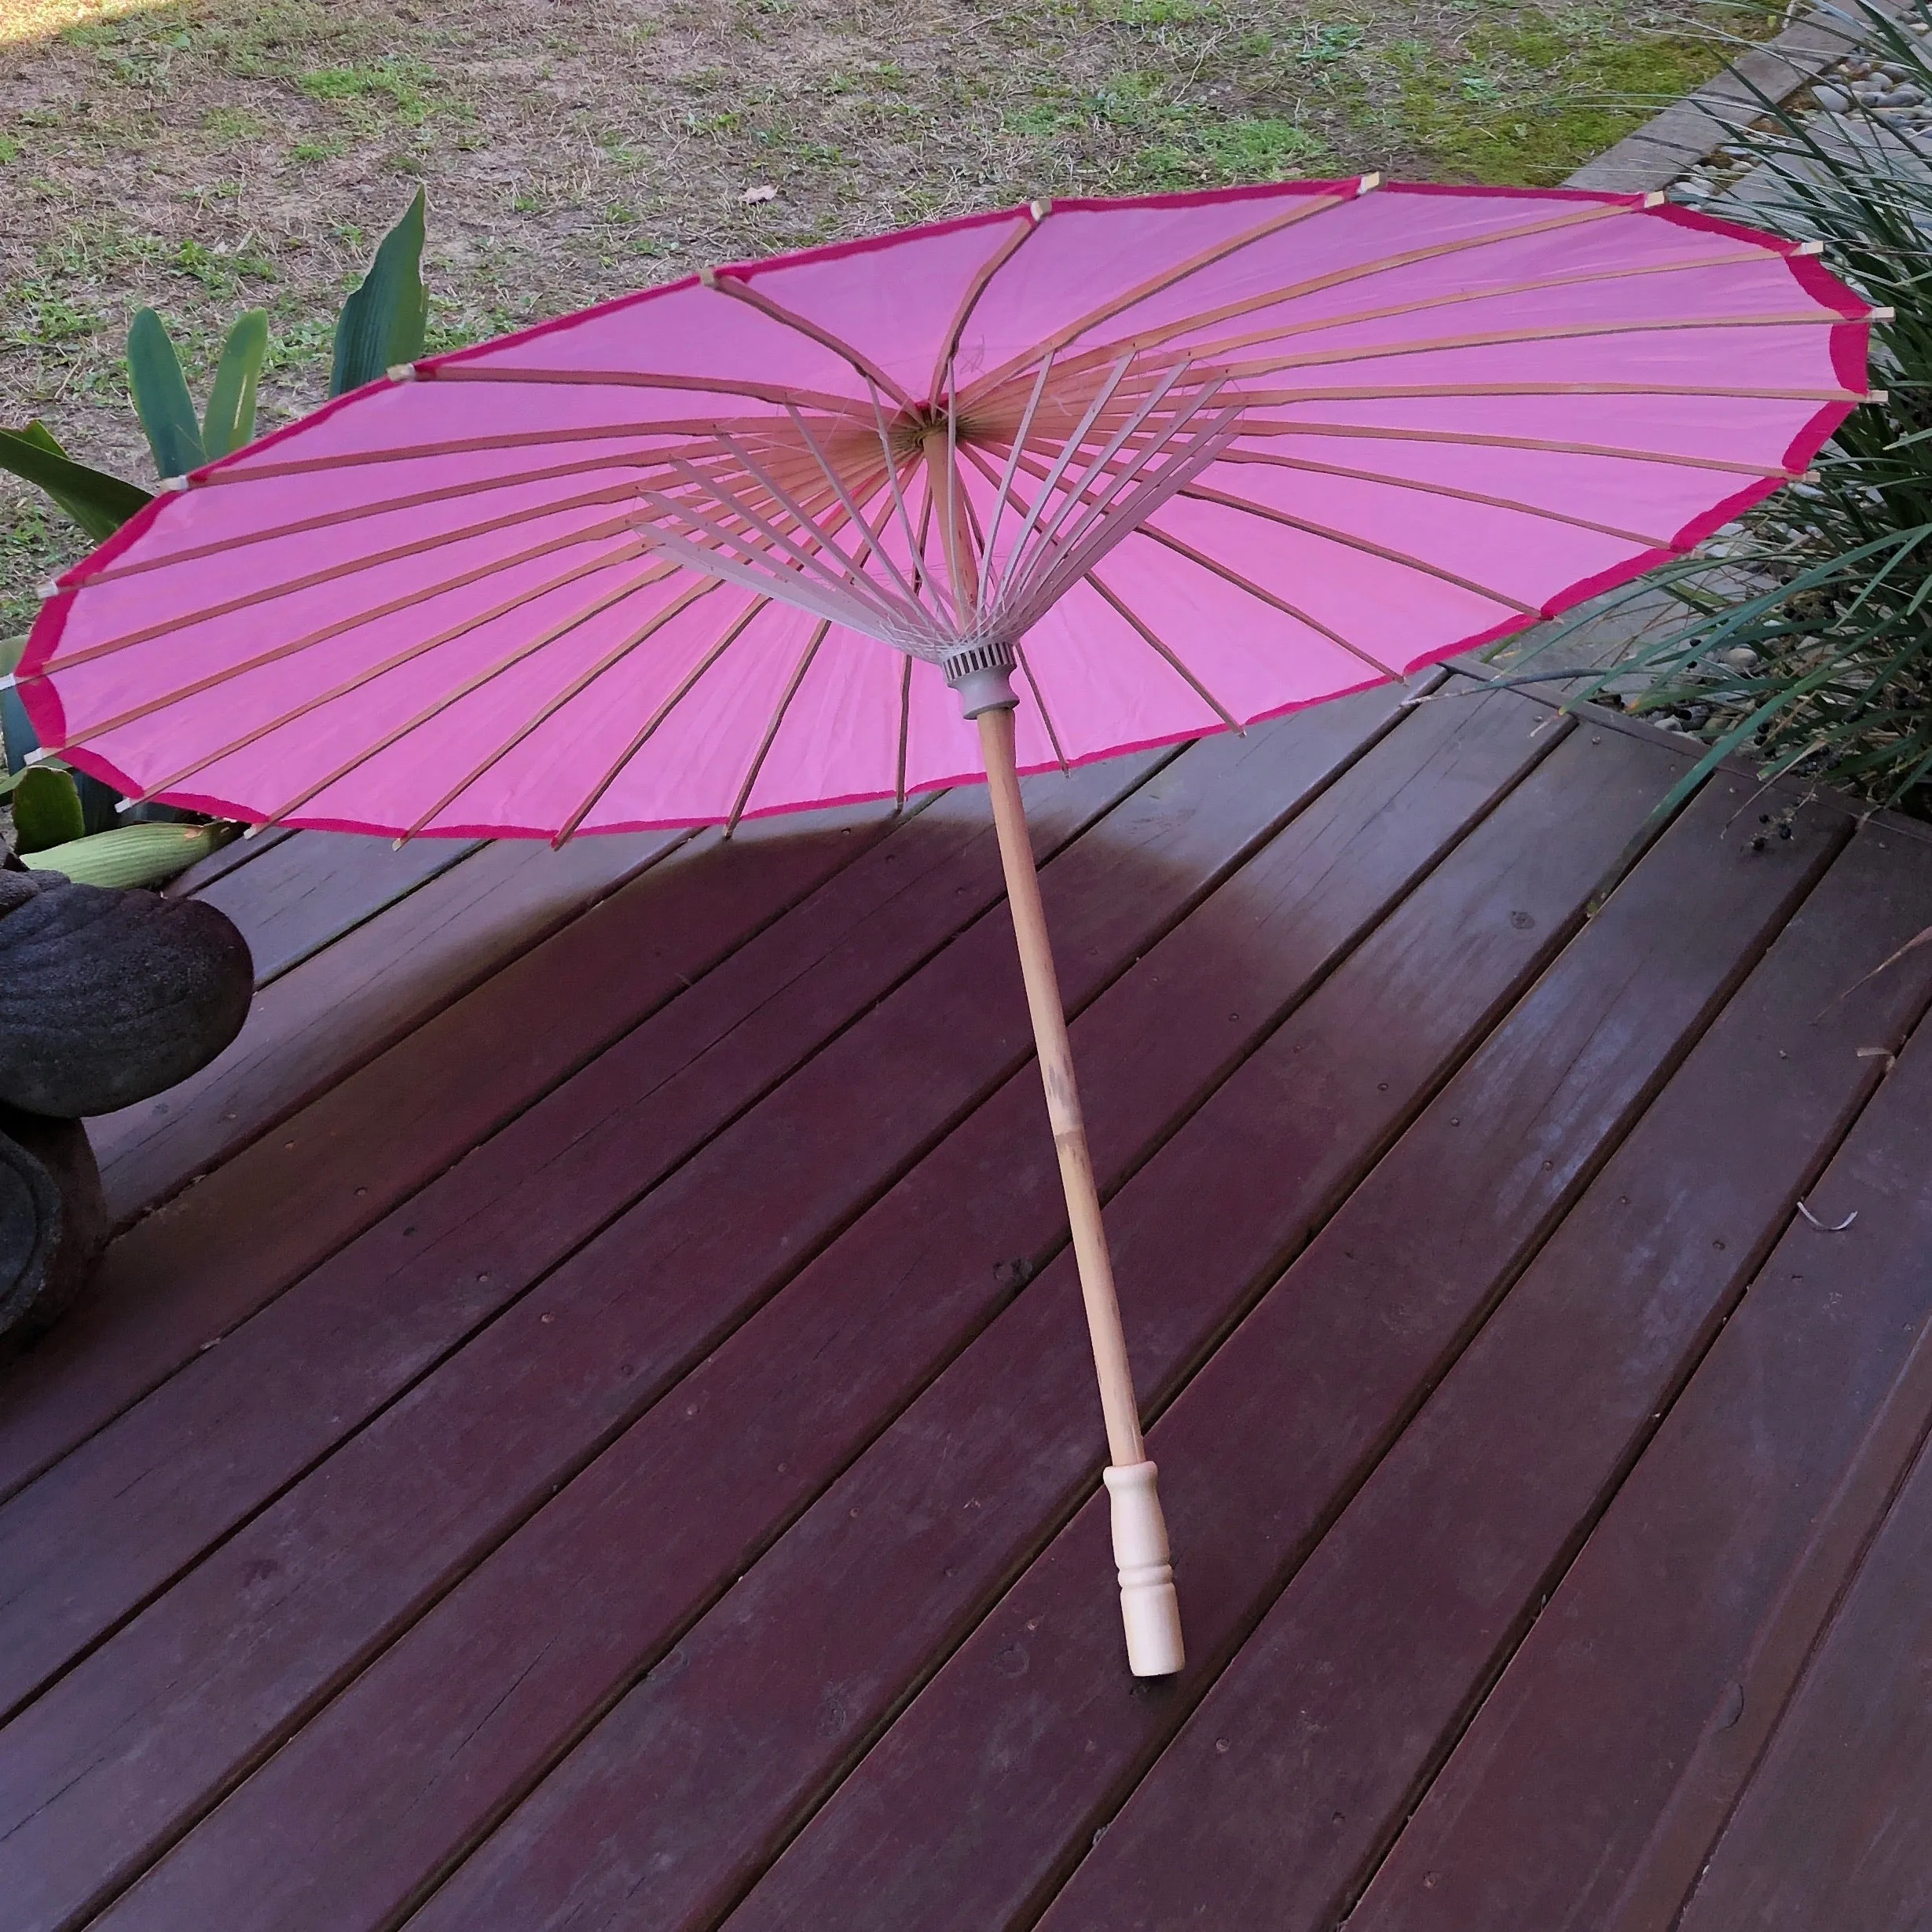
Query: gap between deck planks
<point>303,894</point>
<point>978,1830</point>
<point>1299,1766</point>
<point>341,1008</point>
<point>1591,1785</point>
<point>1170,842</point>
<point>790,1674</point>
<point>848,1322</point>
<point>183,1277</point>
<point>1831,1830</point>
<point>1359,1328</point>
<point>82,1547</point>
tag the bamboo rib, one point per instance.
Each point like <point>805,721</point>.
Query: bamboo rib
<point>1359,543</point>
<point>1013,461</point>
<point>838,485</point>
<point>839,586</point>
<point>1445,489</point>
<point>1475,439</point>
<point>624,553</point>
<point>596,532</point>
<point>657,573</point>
<point>1093,518</point>
<point>429,711</point>
<point>1499,339</point>
<point>847,576</point>
<point>575,688</point>
<point>1031,518</point>
<point>1202,352</point>
<point>239,471</point>
<point>802,517</point>
<point>1262,595</point>
<point>892,477</point>
<point>1164,650</point>
<point>1272,398</point>
<point>1336,278</point>
<point>351,685</point>
<point>962,582</point>
<point>361,512</point>
<point>905,729</point>
<point>1199,454</point>
<point>1039,700</point>
<point>730,635</point>
<point>1092,515</point>
<point>1156,284</point>
<point>771,730</point>
<point>741,290</point>
<point>765,579</point>
<point>778,394</point>
<point>982,278</point>
<point>1096,468</point>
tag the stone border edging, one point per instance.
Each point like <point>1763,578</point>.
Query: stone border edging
<point>1685,133</point>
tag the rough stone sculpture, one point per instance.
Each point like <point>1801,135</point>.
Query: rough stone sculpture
<point>106,998</point>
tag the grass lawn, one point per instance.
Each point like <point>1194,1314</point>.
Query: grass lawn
<point>206,155</point>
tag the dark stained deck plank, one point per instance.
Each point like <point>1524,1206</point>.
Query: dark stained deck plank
<point>674,1802</point>
<point>227,859</point>
<point>342,1008</point>
<point>1295,1772</point>
<point>744,1443</point>
<point>181,1277</point>
<point>1831,1831</point>
<point>303,894</point>
<point>422,1492</point>
<point>1594,1780</point>
<point>88,1542</point>
<point>972,1806</point>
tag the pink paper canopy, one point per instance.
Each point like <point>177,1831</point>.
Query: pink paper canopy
<point>696,554</point>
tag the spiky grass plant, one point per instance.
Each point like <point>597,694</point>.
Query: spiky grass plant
<point>1803,635</point>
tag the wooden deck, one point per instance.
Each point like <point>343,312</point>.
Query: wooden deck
<point>589,1424</point>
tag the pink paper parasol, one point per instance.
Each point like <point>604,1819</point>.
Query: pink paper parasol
<point>1099,477</point>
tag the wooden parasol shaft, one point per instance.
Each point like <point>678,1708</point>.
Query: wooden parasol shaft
<point>1148,1606</point>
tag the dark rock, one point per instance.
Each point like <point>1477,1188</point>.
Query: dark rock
<point>107,997</point>
<point>54,1220</point>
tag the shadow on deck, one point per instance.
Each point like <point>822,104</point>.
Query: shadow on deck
<point>589,1424</point>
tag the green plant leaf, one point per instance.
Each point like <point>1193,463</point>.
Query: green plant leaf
<point>16,729</point>
<point>161,397</point>
<point>230,419</point>
<point>382,323</point>
<point>46,810</point>
<point>132,855</point>
<point>18,736</point>
<point>99,502</point>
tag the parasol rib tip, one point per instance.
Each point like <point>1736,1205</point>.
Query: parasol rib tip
<point>401,372</point>
<point>45,591</point>
<point>1655,199</point>
<point>1881,315</point>
<point>1876,395</point>
<point>1039,209</point>
<point>1808,247</point>
<point>1368,184</point>
<point>174,485</point>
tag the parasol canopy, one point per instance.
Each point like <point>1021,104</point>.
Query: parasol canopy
<point>999,494</point>
<point>1199,459</point>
